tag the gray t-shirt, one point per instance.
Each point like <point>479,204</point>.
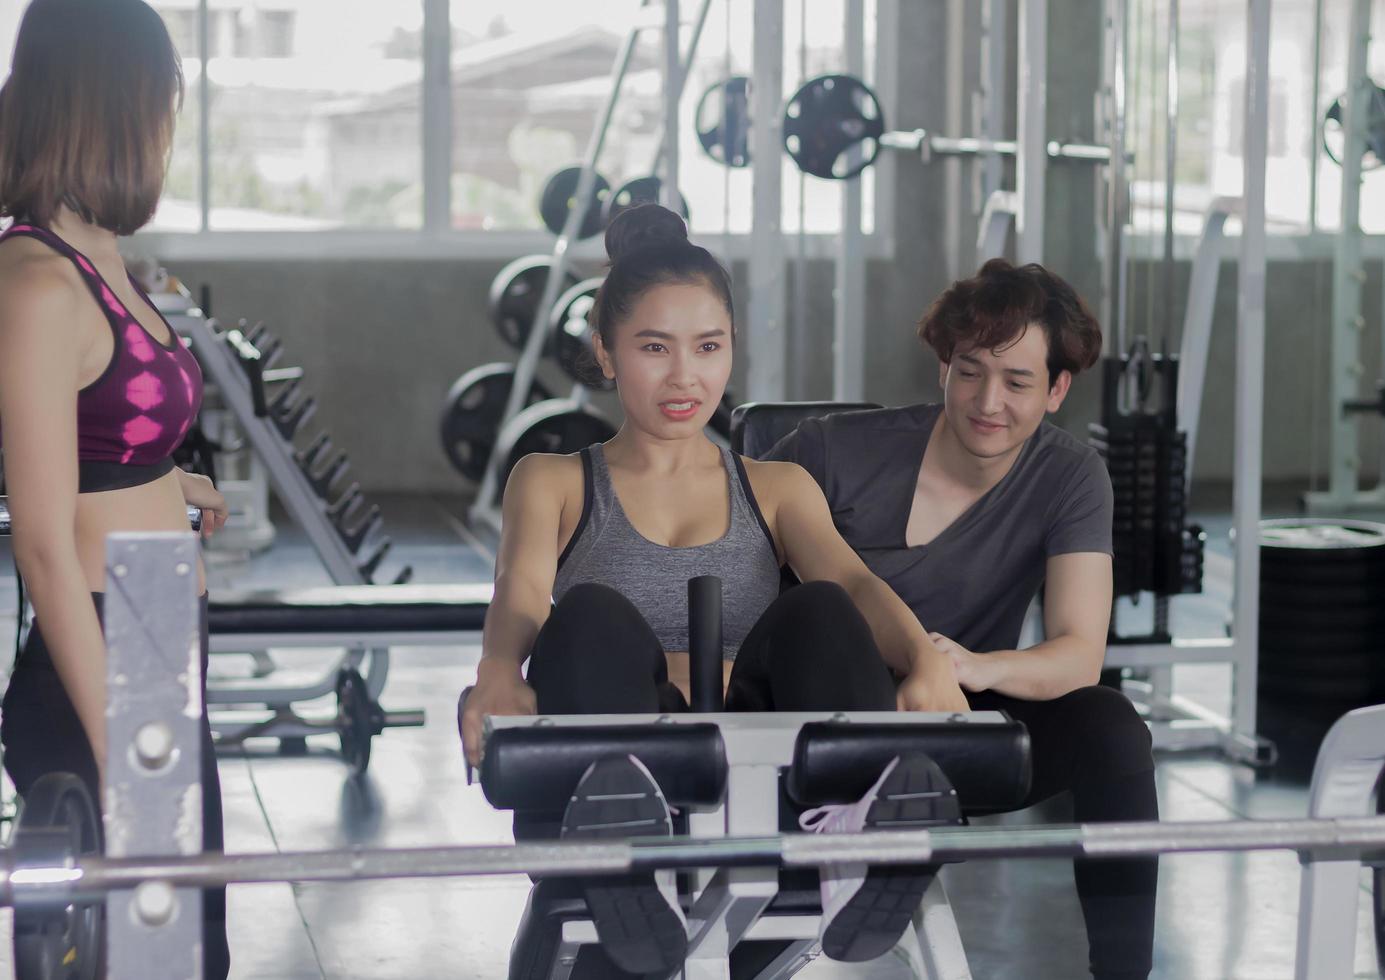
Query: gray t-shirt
<point>974,581</point>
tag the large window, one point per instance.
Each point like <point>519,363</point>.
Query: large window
<point>314,110</point>
<point>1211,94</point>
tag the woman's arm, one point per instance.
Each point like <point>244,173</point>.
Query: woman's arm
<point>40,366</point>
<point>1077,612</point>
<point>524,571</point>
<point>199,491</point>
<point>816,552</point>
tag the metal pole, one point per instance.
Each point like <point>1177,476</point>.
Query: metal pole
<point>684,71</point>
<point>204,121</point>
<point>766,342</point>
<point>1315,119</point>
<point>1117,196</point>
<point>93,877</point>
<point>1250,381</point>
<point>796,384</point>
<point>673,90</point>
<point>1170,164</point>
<point>849,310</point>
<point>994,55</point>
<point>1032,158</point>
<point>1348,275</point>
<point>437,116</point>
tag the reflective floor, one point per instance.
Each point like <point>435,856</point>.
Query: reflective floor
<point>1219,916</point>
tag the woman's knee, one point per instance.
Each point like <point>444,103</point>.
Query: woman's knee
<point>1109,729</point>
<point>819,605</point>
<point>590,607</point>
<point>592,618</point>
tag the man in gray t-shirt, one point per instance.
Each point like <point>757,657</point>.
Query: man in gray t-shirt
<point>1053,501</point>
<point>965,509</point>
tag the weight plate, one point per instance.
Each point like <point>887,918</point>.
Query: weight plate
<point>472,413</point>
<point>1353,620</point>
<point>832,127</point>
<point>572,332</point>
<point>1300,538</point>
<point>560,196</point>
<point>1348,691</point>
<point>1315,596</point>
<point>515,294</point>
<point>1289,574</point>
<point>1334,138</point>
<point>559,425</point>
<point>723,121</point>
<point>57,822</point>
<point>638,190</point>
<point>1362,663</point>
<point>354,728</point>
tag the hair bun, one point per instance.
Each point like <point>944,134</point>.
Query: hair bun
<point>643,227</point>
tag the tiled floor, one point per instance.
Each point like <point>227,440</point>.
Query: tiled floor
<point>1220,916</point>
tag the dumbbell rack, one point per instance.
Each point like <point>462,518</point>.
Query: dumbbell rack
<point>351,547</point>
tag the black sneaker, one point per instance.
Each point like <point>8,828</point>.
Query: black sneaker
<point>638,919</point>
<point>865,909</point>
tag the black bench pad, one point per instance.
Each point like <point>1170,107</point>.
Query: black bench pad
<point>838,762</point>
<point>537,768</point>
<point>351,609</point>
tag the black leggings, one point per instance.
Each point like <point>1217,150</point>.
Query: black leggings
<point>596,654</point>
<point>1094,743</point>
<point>811,650</point>
<point>42,734</point>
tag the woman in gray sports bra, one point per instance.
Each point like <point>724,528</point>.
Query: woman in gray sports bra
<point>596,551</point>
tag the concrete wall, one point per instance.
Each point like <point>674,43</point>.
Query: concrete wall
<point>383,340</point>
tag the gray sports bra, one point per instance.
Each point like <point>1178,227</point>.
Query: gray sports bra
<point>606,548</point>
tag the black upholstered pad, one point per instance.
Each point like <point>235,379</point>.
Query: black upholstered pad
<point>757,426</point>
<point>988,764</point>
<point>536,768</point>
<point>351,608</point>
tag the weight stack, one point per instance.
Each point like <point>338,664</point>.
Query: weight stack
<point>1322,630</point>
<point>1147,457</point>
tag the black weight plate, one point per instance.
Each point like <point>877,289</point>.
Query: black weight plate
<point>354,728</point>
<point>1354,620</point>
<point>1348,691</point>
<point>1290,574</point>
<point>1314,596</point>
<point>1306,646</point>
<point>572,334</point>
<point>1334,136</point>
<point>515,294</point>
<point>472,413</point>
<point>723,121</point>
<point>638,190</point>
<point>66,942</point>
<point>559,425</point>
<point>832,127</point>
<point>560,196</point>
<point>1287,661</point>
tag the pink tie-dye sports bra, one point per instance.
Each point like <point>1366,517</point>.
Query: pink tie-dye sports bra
<point>132,417</point>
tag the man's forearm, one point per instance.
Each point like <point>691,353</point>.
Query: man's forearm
<point>1046,671</point>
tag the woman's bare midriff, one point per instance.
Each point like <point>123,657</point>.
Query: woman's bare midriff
<point>155,506</point>
<point>680,673</point>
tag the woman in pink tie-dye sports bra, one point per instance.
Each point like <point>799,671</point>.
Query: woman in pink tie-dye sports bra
<point>96,390</point>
